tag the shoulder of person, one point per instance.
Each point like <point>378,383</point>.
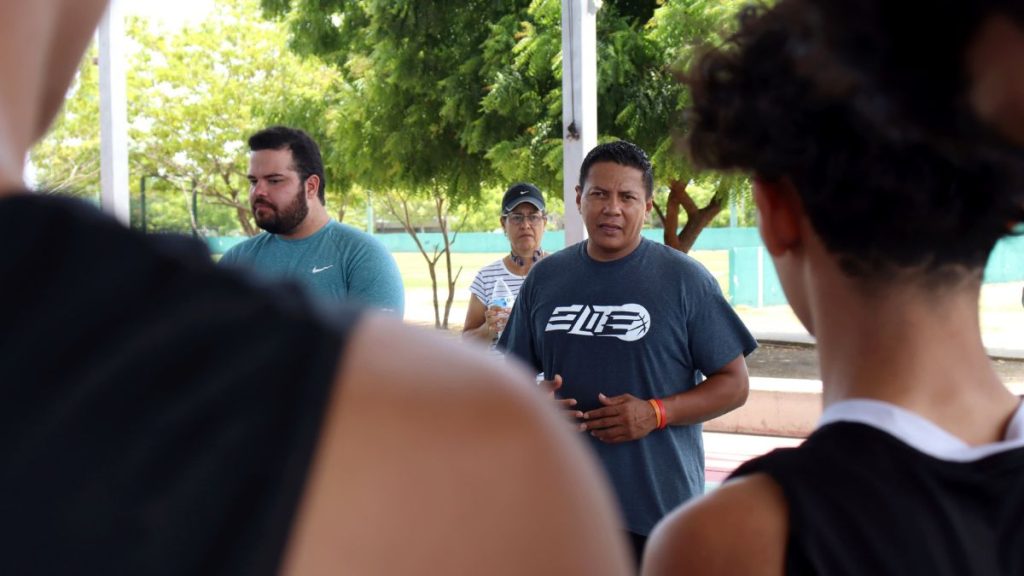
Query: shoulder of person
<point>449,450</point>
<point>494,268</point>
<point>247,246</point>
<point>562,257</point>
<point>344,230</point>
<point>350,237</point>
<point>739,528</point>
<point>689,268</point>
<point>671,255</point>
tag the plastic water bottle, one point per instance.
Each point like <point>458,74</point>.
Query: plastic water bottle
<point>501,299</point>
<point>501,295</point>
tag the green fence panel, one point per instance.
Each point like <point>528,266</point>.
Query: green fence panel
<point>771,288</point>
<point>752,277</point>
<point>1006,264</point>
<point>743,286</point>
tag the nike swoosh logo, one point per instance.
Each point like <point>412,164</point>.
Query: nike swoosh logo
<point>319,270</point>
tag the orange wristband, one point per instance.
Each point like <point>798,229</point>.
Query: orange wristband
<point>662,417</point>
<point>659,417</point>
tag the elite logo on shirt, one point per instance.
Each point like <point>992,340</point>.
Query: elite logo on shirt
<point>628,322</point>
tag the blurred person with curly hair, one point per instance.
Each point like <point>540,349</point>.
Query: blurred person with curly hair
<point>883,181</point>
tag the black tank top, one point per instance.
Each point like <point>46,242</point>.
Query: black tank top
<point>158,415</point>
<point>862,502</point>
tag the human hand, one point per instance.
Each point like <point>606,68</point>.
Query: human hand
<point>496,317</point>
<point>620,419</point>
<point>566,404</point>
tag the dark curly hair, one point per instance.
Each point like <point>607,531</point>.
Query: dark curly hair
<point>870,123</point>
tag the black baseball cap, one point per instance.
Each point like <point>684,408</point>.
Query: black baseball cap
<point>519,193</point>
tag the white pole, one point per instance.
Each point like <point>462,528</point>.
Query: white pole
<point>113,115</point>
<point>579,102</point>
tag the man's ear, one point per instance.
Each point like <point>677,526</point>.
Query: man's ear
<point>579,196</point>
<point>312,185</point>
<point>779,212</point>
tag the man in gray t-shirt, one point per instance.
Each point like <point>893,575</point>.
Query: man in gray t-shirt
<point>622,328</point>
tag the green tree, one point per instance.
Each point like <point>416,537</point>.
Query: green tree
<point>202,91</point>
<point>453,97</point>
<point>414,80</point>
<point>194,95</point>
<point>641,48</point>
<point>678,30</point>
<point>67,161</point>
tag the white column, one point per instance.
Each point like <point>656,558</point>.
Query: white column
<point>579,102</point>
<point>113,114</point>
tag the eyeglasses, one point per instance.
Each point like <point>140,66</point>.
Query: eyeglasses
<point>534,219</point>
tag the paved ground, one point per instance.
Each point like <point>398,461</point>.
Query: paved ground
<point>787,360</point>
<point>1002,324</point>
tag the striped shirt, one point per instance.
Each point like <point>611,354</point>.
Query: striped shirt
<point>483,284</point>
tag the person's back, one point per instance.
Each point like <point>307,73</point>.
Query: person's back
<point>879,210</point>
<point>162,415</point>
<point>864,500</point>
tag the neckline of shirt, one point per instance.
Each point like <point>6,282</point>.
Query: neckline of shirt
<point>505,268</point>
<point>323,230</point>
<point>642,246</point>
<point>919,432</point>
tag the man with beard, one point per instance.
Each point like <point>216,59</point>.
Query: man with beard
<point>286,192</point>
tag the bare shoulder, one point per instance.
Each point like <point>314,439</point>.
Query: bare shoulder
<point>740,528</point>
<point>437,458</point>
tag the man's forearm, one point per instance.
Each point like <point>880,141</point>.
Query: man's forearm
<point>722,392</point>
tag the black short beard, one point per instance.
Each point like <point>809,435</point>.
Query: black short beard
<point>286,220</point>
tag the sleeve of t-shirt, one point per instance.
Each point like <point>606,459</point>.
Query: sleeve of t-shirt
<point>517,338</point>
<point>374,278</point>
<point>230,258</point>
<point>477,288</point>
<point>717,334</point>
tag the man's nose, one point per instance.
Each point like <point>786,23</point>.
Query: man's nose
<point>613,205</point>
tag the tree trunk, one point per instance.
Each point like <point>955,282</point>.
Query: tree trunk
<point>242,210</point>
<point>442,221</point>
<point>406,220</point>
<point>243,219</point>
<point>696,218</point>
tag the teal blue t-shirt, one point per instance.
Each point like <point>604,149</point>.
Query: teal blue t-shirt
<point>337,262</point>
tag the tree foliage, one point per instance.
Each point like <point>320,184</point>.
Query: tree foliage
<point>449,98</point>
<point>67,161</point>
<point>409,126</point>
<point>194,96</point>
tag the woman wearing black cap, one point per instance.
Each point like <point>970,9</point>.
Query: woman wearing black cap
<point>523,219</point>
